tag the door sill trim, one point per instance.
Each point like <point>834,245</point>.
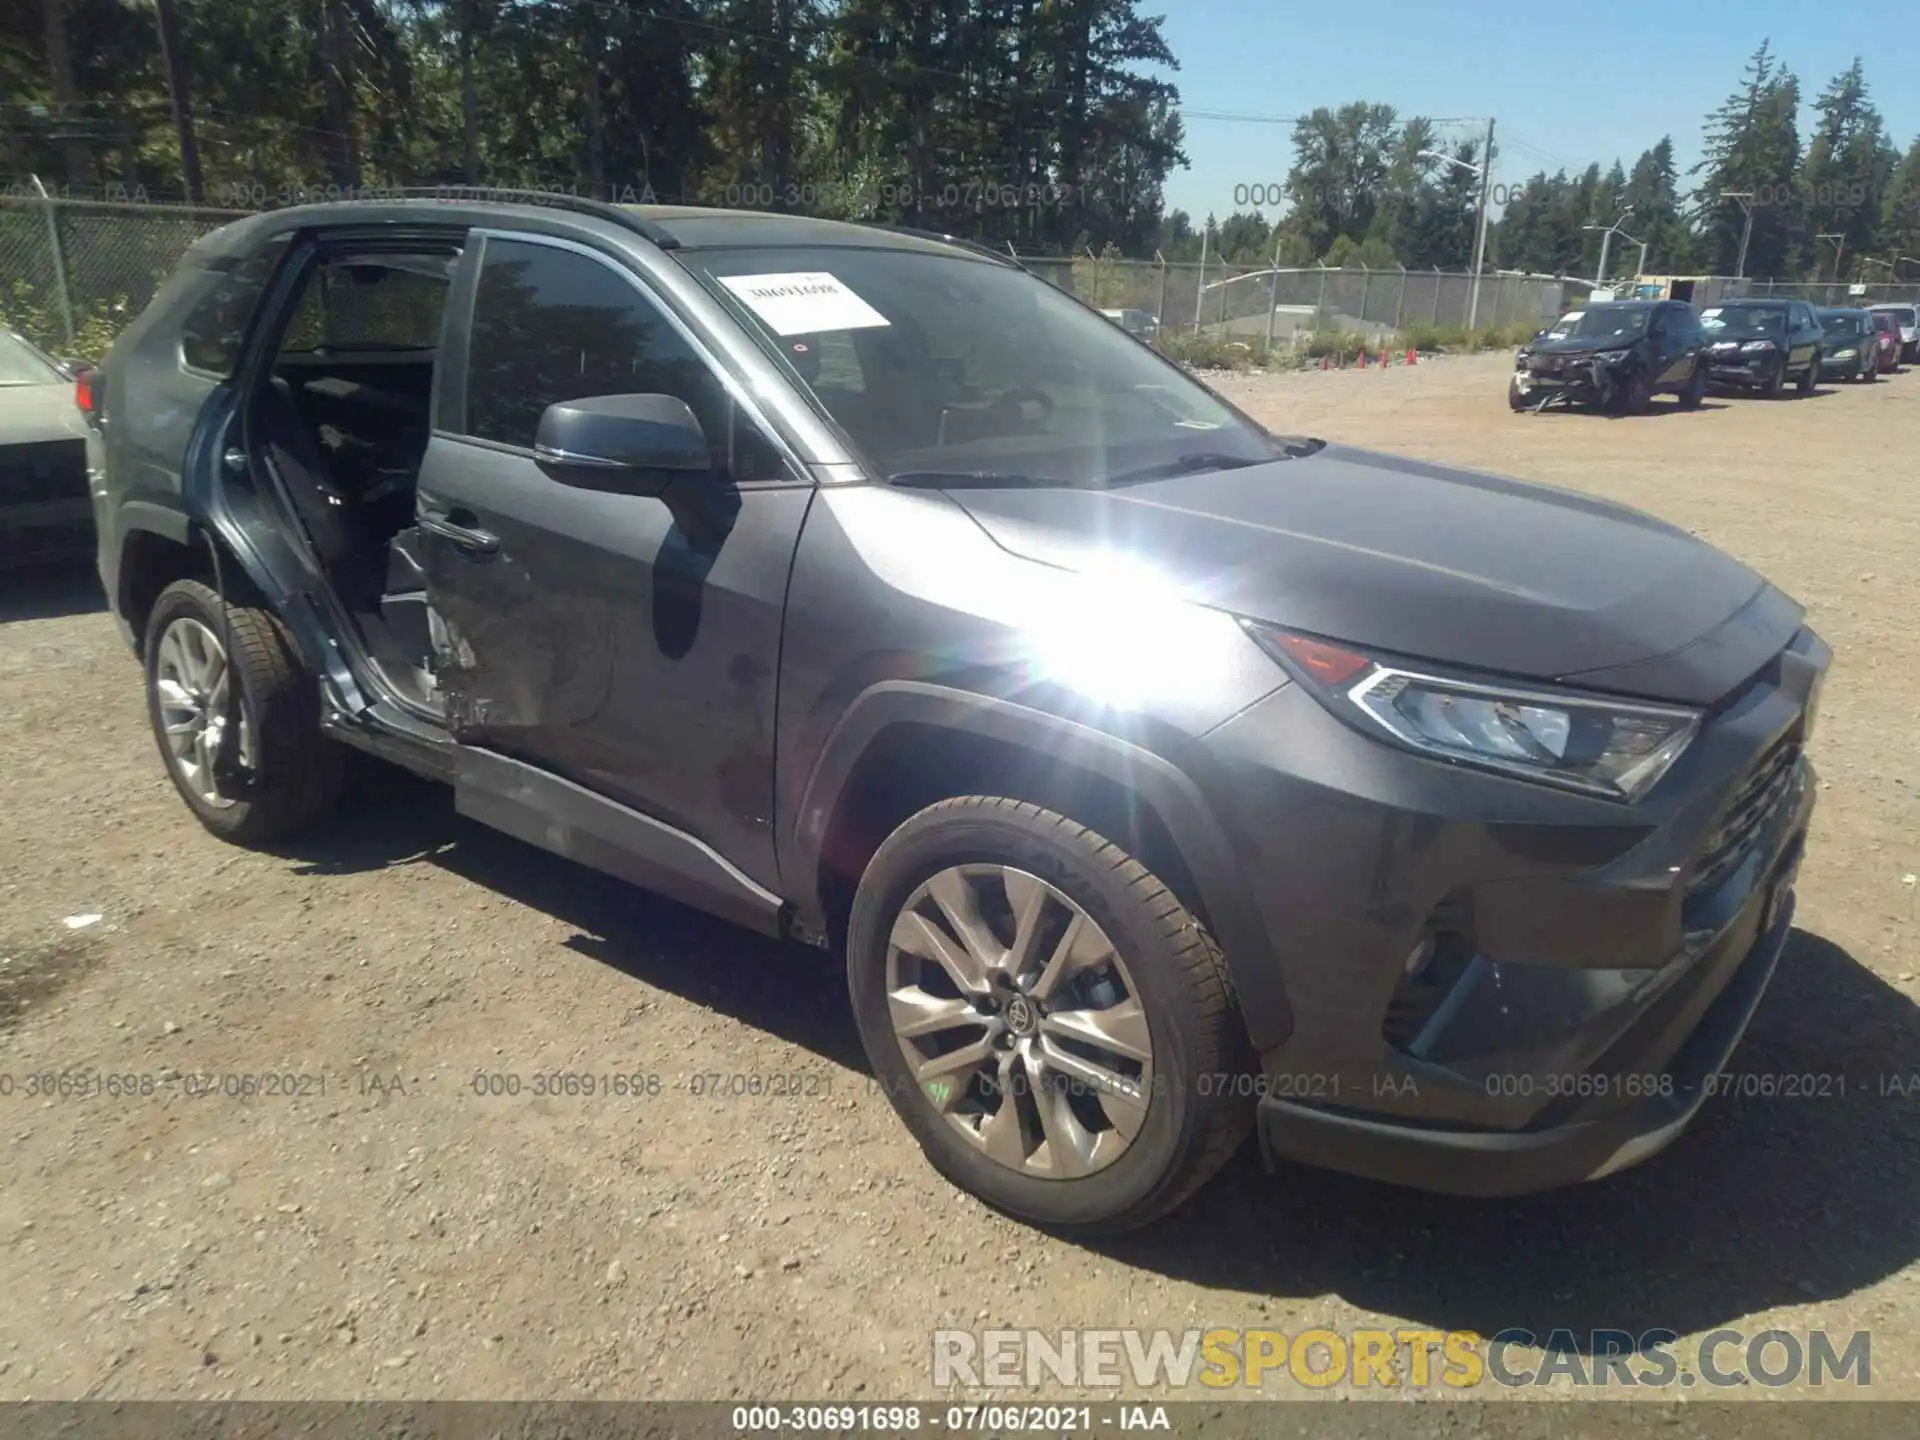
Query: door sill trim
<point>570,820</point>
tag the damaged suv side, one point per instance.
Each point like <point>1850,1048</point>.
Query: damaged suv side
<point>1161,779</point>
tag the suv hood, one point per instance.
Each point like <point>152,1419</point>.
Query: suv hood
<point>1581,344</point>
<point>1426,562</point>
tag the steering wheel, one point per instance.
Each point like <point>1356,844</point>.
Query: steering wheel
<point>1016,400</point>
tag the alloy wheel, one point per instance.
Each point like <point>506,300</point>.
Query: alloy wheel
<point>1019,1021</point>
<point>191,677</point>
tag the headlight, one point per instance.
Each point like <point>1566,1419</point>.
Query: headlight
<point>1598,746</point>
<point>1759,345</point>
<point>1845,354</point>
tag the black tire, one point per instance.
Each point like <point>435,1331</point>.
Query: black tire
<point>1775,384</point>
<point>1810,379</point>
<point>297,773</point>
<point>1694,392</point>
<point>1635,396</point>
<point>1869,374</point>
<point>1515,399</point>
<point>1191,1127</point>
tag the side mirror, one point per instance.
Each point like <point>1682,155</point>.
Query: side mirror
<point>626,444</point>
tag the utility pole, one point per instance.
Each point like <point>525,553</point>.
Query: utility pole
<point>1839,251</point>
<point>1480,238</point>
<point>1745,197</point>
<point>1606,244</point>
<point>168,17</point>
<point>66,94</point>
<point>1200,293</point>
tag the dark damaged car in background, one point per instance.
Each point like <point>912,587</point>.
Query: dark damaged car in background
<point>1161,780</point>
<point>1614,355</point>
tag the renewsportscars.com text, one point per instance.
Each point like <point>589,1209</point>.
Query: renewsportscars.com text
<point>1401,1358</point>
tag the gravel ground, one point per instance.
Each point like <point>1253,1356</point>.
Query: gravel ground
<point>399,1235</point>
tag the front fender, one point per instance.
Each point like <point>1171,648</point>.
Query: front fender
<point>1166,789</point>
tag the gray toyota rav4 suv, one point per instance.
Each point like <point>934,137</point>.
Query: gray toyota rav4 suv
<point>1161,779</point>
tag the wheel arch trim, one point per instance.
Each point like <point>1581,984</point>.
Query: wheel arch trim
<point>1162,787</point>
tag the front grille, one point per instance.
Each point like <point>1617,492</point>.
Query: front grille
<point>48,470</point>
<point>1746,815</point>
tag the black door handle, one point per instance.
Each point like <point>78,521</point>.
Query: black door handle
<point>467,537</point>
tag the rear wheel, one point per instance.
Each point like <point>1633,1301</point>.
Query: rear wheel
<point>1054,1026</point>
<point>286,775</point>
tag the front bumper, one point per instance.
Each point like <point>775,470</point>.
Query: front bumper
<point>1579,381</point>
<point>1743,369</point>
<point>1489,1163</point>
<point>1603,959</point>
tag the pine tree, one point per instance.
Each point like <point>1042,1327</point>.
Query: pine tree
<point>1753,149</point>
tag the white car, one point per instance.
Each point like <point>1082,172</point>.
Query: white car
<point>46,511</point>
<point>1907,317</point>
<point>1135,322</point>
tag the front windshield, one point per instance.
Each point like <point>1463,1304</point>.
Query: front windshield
<point>941,365</point>
<point>1745,319</point>
<point>1900,317</point>
<point>1600,322</point>
<point>1843,322</point>
<point>21,364</point>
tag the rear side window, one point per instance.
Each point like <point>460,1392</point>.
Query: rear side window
<point>385,303</point>
<point>216,327</point>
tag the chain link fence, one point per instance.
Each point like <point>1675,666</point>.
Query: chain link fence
<point>73,272</point>
<point>1259,306</point>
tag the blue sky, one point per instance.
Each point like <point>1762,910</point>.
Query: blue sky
<point>1661,69</point>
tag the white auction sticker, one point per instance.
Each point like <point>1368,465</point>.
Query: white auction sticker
<point>803,302</point>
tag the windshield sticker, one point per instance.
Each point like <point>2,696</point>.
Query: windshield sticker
<point>803,302</point>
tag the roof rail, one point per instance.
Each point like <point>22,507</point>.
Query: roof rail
<point>555,199</point>
<point>983,250</point>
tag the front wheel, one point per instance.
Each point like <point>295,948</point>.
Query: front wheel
<point>1695,391</point>
<point>1776,382</point>
<point>285,774</point>
<point>1516,397</point>
<point>1635,394</point>
<point>1054,1026</point>
<point>1810,380</point>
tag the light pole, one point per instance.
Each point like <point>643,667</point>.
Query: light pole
<point>1485,171</point>
<point>1838,250</point>
<point>1745,197</point>
<point>1607,232</point>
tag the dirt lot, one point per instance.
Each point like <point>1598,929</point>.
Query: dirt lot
<point>401,1235</point>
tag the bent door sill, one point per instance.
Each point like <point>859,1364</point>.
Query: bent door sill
<point>543,809</point>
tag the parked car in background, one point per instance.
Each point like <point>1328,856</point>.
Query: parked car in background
<point>1161,779</point>
<point>1852,350</point>
<point>1762,344</point>
<point>1886,329</point>
<point>1907,319</point>
<point>1135,322</point>
<point>1616,355</point>
<point>45,512</point>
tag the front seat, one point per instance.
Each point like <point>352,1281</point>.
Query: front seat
<point>329,514</point>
